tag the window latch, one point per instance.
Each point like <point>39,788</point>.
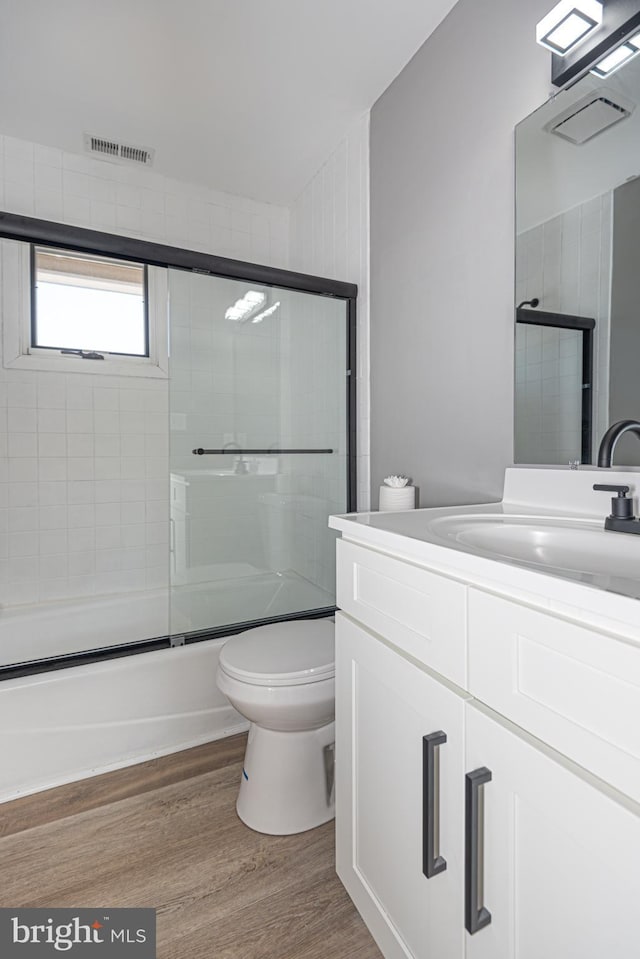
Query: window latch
<point>84,354</point>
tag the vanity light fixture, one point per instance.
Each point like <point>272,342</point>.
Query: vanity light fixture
<point>614,60</point>
<point>616,36</point>
<point>568,24</point>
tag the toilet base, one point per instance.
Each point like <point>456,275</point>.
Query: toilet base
<point>287,780</point>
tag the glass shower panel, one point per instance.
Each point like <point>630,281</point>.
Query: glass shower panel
<point>258,385</point>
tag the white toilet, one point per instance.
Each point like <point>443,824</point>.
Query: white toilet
<point>281,678</point>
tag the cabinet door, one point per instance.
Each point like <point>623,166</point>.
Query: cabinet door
<point>385,705</point>
<point>561,875</point>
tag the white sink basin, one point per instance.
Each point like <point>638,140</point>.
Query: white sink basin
<point>560,545</point>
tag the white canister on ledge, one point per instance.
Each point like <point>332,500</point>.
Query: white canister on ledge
<point>395,493</point>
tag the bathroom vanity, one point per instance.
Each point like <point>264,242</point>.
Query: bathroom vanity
<point>488,724</point>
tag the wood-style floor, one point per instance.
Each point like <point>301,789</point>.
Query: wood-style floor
<point>165,834</point>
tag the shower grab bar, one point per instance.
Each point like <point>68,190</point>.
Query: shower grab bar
<point>238,452</point>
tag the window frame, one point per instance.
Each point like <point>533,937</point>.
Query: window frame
<point>16,296</point>
<point>36,347</point>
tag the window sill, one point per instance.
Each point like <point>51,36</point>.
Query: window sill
<point>75,364</point>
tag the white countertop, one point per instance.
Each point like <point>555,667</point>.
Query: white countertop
<point>594,597</point>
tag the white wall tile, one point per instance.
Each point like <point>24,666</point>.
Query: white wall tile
<point>82,540</point>
<point>22,444</point>
<point>22,420</point>
<point>52,444</point>
<point>52,394</point>
<point>80,444</point>
<point>330,237</point>
<point>84,460</point>
<point>51,421</point>
<point>79,517</point>
<point>52,494</point>
<point>20,394</point>
<point>21,519</point>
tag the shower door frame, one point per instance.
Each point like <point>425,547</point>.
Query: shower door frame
<point>586,326</point>
<point>78,239</point>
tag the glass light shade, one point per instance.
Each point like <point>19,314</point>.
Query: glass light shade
<point>614,60</point>
<point>568,24</point>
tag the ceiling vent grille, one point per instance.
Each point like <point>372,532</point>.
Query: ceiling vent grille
<point>114,150</point>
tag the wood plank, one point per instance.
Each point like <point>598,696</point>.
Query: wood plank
<point>69,800</point>
<point>128,842</point>
<point>220,889</point>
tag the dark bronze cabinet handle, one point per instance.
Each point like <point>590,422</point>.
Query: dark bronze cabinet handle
<point>475,915</point>
<point>432,861</point>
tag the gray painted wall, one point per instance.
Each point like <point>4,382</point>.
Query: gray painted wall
<point>442,251</point>
<point>624,402</point>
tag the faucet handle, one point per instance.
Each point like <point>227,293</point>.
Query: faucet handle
<point>621,507</point>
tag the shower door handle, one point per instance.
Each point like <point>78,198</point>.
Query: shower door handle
<point>432,861</point>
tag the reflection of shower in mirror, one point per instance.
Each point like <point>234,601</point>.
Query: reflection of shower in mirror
<point>577,217</point>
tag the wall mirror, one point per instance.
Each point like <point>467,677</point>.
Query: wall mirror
<point>577,348</point>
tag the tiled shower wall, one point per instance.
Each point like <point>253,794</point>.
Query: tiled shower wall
<point>280,383</point>
<point>330,237</point>
<point>224,390</point>
<point>566,263</point>
<point>116,198</point>
<point>84,458</point>
<point>313,393</point>
<point>82,484</point>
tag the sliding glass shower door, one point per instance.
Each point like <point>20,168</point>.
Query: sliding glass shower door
<point>258,450</point>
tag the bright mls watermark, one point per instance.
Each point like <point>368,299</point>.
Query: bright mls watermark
<point>79,933</point>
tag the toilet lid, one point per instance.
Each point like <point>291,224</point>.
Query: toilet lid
<point>281,654</point>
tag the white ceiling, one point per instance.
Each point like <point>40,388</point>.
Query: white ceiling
<point>246,96</point>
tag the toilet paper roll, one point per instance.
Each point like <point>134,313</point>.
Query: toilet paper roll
<point>397,498</point>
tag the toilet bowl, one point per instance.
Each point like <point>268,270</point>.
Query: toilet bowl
<point>281,678</point>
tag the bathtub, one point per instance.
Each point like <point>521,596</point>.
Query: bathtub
<point>65,725</point>
<point>72,626</point>
<point>68,724</point>
<point>245,596</point>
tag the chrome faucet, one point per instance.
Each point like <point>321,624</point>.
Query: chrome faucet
<point>611,437</point>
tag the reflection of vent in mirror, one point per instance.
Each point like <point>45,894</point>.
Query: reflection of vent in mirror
<point>587,118</point>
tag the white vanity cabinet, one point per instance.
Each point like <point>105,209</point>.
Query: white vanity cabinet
<point>385,706</point>
<point>561,874</point>
<point>542,858</point>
